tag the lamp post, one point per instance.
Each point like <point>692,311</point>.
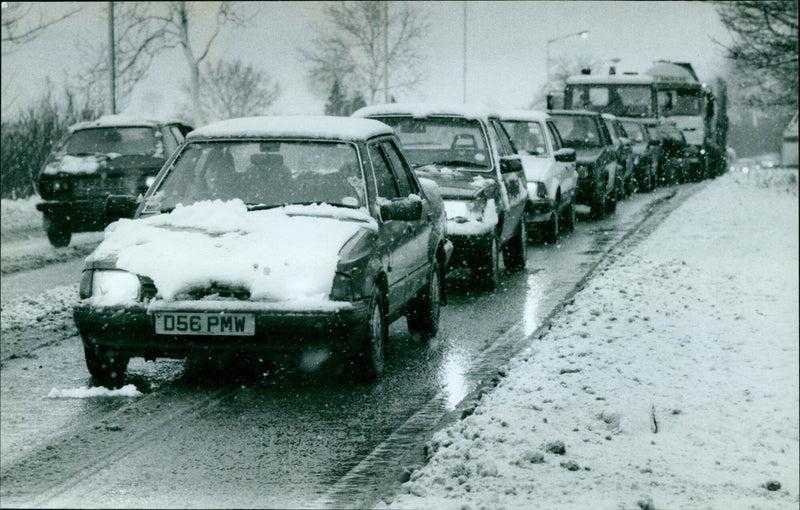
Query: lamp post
<point>583,34</point>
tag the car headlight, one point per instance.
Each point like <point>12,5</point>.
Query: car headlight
<point>537,189</point>
<point>342,288</point>
<point>112,287</point>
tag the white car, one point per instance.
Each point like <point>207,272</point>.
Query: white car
<point>549,169</point>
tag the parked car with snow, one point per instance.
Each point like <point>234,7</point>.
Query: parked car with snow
<point>645,153</point>
<point>597,163</point>
<point>549,170</point>
<point>114,154</point>
<point>468,153</point>
<point>624,151</point>
<point>675,160</point>
<point>269,235</point>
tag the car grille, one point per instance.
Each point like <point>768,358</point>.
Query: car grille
<point>149,291</point>
<point>110,185</point>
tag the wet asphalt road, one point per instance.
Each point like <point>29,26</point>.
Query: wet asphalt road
<point>228,435</point>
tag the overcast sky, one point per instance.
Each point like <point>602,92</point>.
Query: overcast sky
<point>506,48</point>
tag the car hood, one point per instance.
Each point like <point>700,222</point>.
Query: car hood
<point>536,168</point>
<point>91,164</point>
<point>458,185</point>
<point>588,155</point>
<point>288,253</point>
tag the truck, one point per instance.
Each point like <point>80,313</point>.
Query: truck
<point>699,110</point>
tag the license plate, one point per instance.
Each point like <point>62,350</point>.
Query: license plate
<point>198,323</point>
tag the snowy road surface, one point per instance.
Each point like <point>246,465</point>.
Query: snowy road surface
<point>271,436</point>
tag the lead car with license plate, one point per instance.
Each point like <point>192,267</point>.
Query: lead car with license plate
<point>268,235</point>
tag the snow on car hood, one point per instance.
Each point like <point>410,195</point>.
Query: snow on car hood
<point>535,167</point>
<point>275,254</point>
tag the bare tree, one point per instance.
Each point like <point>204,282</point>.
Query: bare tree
<point>764,49</point>
<point>22,22</point>
<point>235,89</point>
<point>367,47</point>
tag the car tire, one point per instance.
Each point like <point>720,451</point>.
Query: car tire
<point>423,314</point>
<point>107,366</point>
<point>515,251</point>
<point>611,202</point>
<point>58,232</point>
<point>551,229</point>
<point>598,205</point>
<point>486,267</point>
<point>570,216</point>
<point>370,359</point>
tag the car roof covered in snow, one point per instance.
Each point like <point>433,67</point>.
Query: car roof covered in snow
<point>124,119</point>
<point>300,126</point>
<point>422,110</point>
<point>524,115</point>
<point>574,112</point>
<point>611,79</point>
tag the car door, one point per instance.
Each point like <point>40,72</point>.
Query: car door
<point>513,184</point>
<point>414,260</point>
<point>567,174</point>
<point>396,236</point>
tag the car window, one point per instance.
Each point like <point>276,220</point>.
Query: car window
<point>126,141</point>
<point>527,136</point>
<point>384,180</point>
<point>578,131</point>
<point>555,135</point>
<point>169,140</point>
<point>401,170</point>
<point>612,133</point>
<point>506,146</point>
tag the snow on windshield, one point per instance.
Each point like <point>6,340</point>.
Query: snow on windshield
<point>264,173</point>
<point>273,254</point>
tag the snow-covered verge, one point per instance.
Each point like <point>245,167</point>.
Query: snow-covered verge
<point>19,215</point>
<point>47,312</point>
<point>671,380</point>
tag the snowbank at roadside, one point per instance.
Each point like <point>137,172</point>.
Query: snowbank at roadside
<point>671,381</point>
<point>20,214</point>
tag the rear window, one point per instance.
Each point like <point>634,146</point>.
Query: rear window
<point>126,141</point>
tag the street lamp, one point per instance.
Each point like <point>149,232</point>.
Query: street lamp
<point>583,34</point>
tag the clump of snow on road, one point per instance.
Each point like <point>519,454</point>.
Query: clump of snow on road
<point>20,214</point>
<point>670,381</point>
<point>223,242</point>
<point>129,390</point>
<point>50,309</point>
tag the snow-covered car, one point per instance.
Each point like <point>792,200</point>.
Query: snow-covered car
<point>597,163</point>
<point>268,235</point>
<point>549,170</point>
<point>468,153</point>
<point>645,153</point>
<point>622,145</point>
<point>114,154</point>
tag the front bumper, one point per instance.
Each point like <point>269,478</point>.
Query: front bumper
<point>279,329</point>
<point>79,215</point>
<point>470,251</point>
<point>538,211</point>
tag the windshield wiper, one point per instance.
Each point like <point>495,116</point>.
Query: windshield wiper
<point>457,162</point>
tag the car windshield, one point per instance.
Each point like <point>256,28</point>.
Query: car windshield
<point>679,102</point>
<point>527,136</point>
<point>127,141</point>
<point>578,131</point>
<point>263,174</point>
<point>619,100</point>
<point>635,132</point>
<point>442,141</point>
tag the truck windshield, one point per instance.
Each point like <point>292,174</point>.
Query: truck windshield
<point>619,100</point>
<point>127,141</point>
<point>442,141</point>
<point>679,102</point>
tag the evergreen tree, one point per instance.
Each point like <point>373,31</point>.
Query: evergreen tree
<point>337,102</point>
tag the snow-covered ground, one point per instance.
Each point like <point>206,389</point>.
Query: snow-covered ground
<point>19,215</point>
<point>671,381</point>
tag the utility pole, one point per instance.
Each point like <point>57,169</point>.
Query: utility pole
<point>386,51</point>
<point>112,59</point>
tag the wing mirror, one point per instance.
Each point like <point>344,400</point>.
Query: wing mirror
<point>565,155</point>
<point>509,165</point>
<point>402,209</point>
<point>121,206</point>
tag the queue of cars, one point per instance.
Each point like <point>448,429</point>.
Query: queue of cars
<point>275,235</point>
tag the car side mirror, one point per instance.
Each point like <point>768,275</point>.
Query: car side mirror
<point>121,206</point>
<point>565,155</point>
<point>510,165</point>
<point>402,209</point>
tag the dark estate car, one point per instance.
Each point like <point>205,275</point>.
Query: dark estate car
<point>586,132</point>
<point>115,154</point>
<point>646,150</point>
<point>622,146</point>
<point>269,235</point>
<point>467,152</point>
<point>675,159</point>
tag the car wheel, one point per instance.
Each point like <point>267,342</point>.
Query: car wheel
<point>552,227</point>
<point>423,315</point>
<point>107,366</point>
<point>570,217</point>
<point>58,232</point>
<point>370,360</point>
<point>611,202</point>
<point>486,267</point>
<point>515,252</point>
<point>598,205</point>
